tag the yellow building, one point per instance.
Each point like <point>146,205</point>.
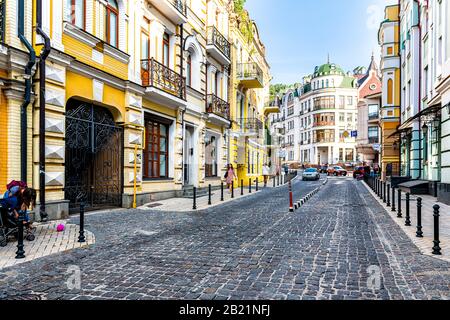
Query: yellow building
<point>249,94</point>
<point>390,109</point>
<point>132,105</point>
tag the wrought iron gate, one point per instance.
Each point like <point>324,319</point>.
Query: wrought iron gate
<point>94,148</point>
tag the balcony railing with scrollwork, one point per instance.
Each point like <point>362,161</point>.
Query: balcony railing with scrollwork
<point>217,106</point>
<point>250,124</point>
<point>2,20</point>
<point>180,5</point>
<point>157,75</point>
<point>250,71</point>
<point>215,38</point>
<point>324,123</point>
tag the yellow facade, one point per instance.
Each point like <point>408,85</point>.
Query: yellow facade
<point>390,109</point>
<point>177,84</point>
<point>248,95</point>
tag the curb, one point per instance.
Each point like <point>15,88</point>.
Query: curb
<point>300,203</point>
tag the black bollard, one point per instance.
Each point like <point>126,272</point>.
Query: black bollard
<point>209,195</point>
<point>81,238</point>
<point>399,204</point>
<point>278,179</point>
<point>393,199</point>
<point>257,187</point>
<point>419,233</point>
<point>242,187</point>
<point>388,194</point>
<point>384,192</point>
<point>194,190</point>
<point>250,185</point>
<point>20,253</point>
<point>221,192</point>
<point>274,182</point>
<point>436,248</point>
<point>408,217</point>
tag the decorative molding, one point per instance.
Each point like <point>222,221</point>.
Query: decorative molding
<point>54,152</point>
<point>54,179</point>
<point>134,138</point>
<point>56,74</point>
<point>131,158</point>
<point>135,118</point>
<point>97,56</point>
<point>135,101</point>
<point>54,125</point>
<point>55,97</point>
<point>97,90</point>
<point>131,177</point>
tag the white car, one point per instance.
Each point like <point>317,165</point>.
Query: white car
<point>311,174</point>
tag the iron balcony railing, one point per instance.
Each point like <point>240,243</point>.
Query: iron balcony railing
<point>324,123</point>
<point>180,5</point>
<point>217,106</point>
<point>2,20</point>
<point>251,124</point>
<point>217,39</point>
<point>157,75</point>
<point>373,116</point>
<point>250,71</point>
<point>373,140</point>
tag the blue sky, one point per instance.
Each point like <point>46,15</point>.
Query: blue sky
<point>298,34</point>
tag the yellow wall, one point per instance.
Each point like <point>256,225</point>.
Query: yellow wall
<point>4,144</point>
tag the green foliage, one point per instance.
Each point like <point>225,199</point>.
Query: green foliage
<point>239,5</point>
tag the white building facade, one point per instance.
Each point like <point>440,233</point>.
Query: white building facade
<point>328,117</point>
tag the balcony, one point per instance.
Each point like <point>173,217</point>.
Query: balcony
<point>251,126</point>
<point>373,116</point>
<point>163,85</point>
<point>250,75</point>
<point>218,46</point>
<point>218,110</point>
<point>324,124</point>
<point>373,140</point>
<point>271,107</point>
<point>175,10</point>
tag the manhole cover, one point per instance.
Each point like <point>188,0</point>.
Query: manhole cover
<point>21,297</point>
<point>154,205</point>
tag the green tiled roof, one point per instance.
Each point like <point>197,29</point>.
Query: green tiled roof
<point>328,69</point>
<point>348,82</point>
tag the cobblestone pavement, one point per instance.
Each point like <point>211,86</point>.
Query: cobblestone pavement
<point>248,249</point>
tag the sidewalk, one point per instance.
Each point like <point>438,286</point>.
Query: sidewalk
<point>424,244</point>
<point>186,204</point>
<point>48,241</point>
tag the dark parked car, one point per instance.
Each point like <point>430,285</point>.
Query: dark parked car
<point>358,171</point>
<point>336,171</point>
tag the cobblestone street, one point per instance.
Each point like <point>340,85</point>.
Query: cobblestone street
<point>252,248</point>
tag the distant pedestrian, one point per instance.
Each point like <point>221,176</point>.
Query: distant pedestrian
<point>266,173</point>
<point>230,176</point>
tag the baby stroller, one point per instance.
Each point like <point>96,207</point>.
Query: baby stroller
<point>9,226</point>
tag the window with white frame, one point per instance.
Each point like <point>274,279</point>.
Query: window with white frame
<point>76,12</point>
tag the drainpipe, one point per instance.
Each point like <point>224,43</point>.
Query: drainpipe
<point>183,173</point>
<point>43,57</point>
<point>26,102</point>
<point>420,87</point>
<point>400,93</point>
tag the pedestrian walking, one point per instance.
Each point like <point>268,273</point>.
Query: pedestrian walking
<point>266,173</point>
<point>230,176</point>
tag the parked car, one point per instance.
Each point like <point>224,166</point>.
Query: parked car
<point>358,171</point>
<point>311,174</point>
<point>336,171</point>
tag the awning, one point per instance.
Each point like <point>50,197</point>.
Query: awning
<point>399,132</point>
<point>432,109</point>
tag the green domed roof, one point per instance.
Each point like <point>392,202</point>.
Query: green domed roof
<point>328,69</point>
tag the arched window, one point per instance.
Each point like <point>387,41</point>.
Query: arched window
<point>322,84</point>
<point>166,49</point>
<point>112,22</point>
<point>328,84</point>
<point>189,71</point>
<point>76,12</point>
<point>390,91</point>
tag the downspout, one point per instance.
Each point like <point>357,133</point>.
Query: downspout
<point>26,102</point>
<point>183,173</point>
<point>400,88</point>
<point>43,57</point>
<point>420,87</point>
